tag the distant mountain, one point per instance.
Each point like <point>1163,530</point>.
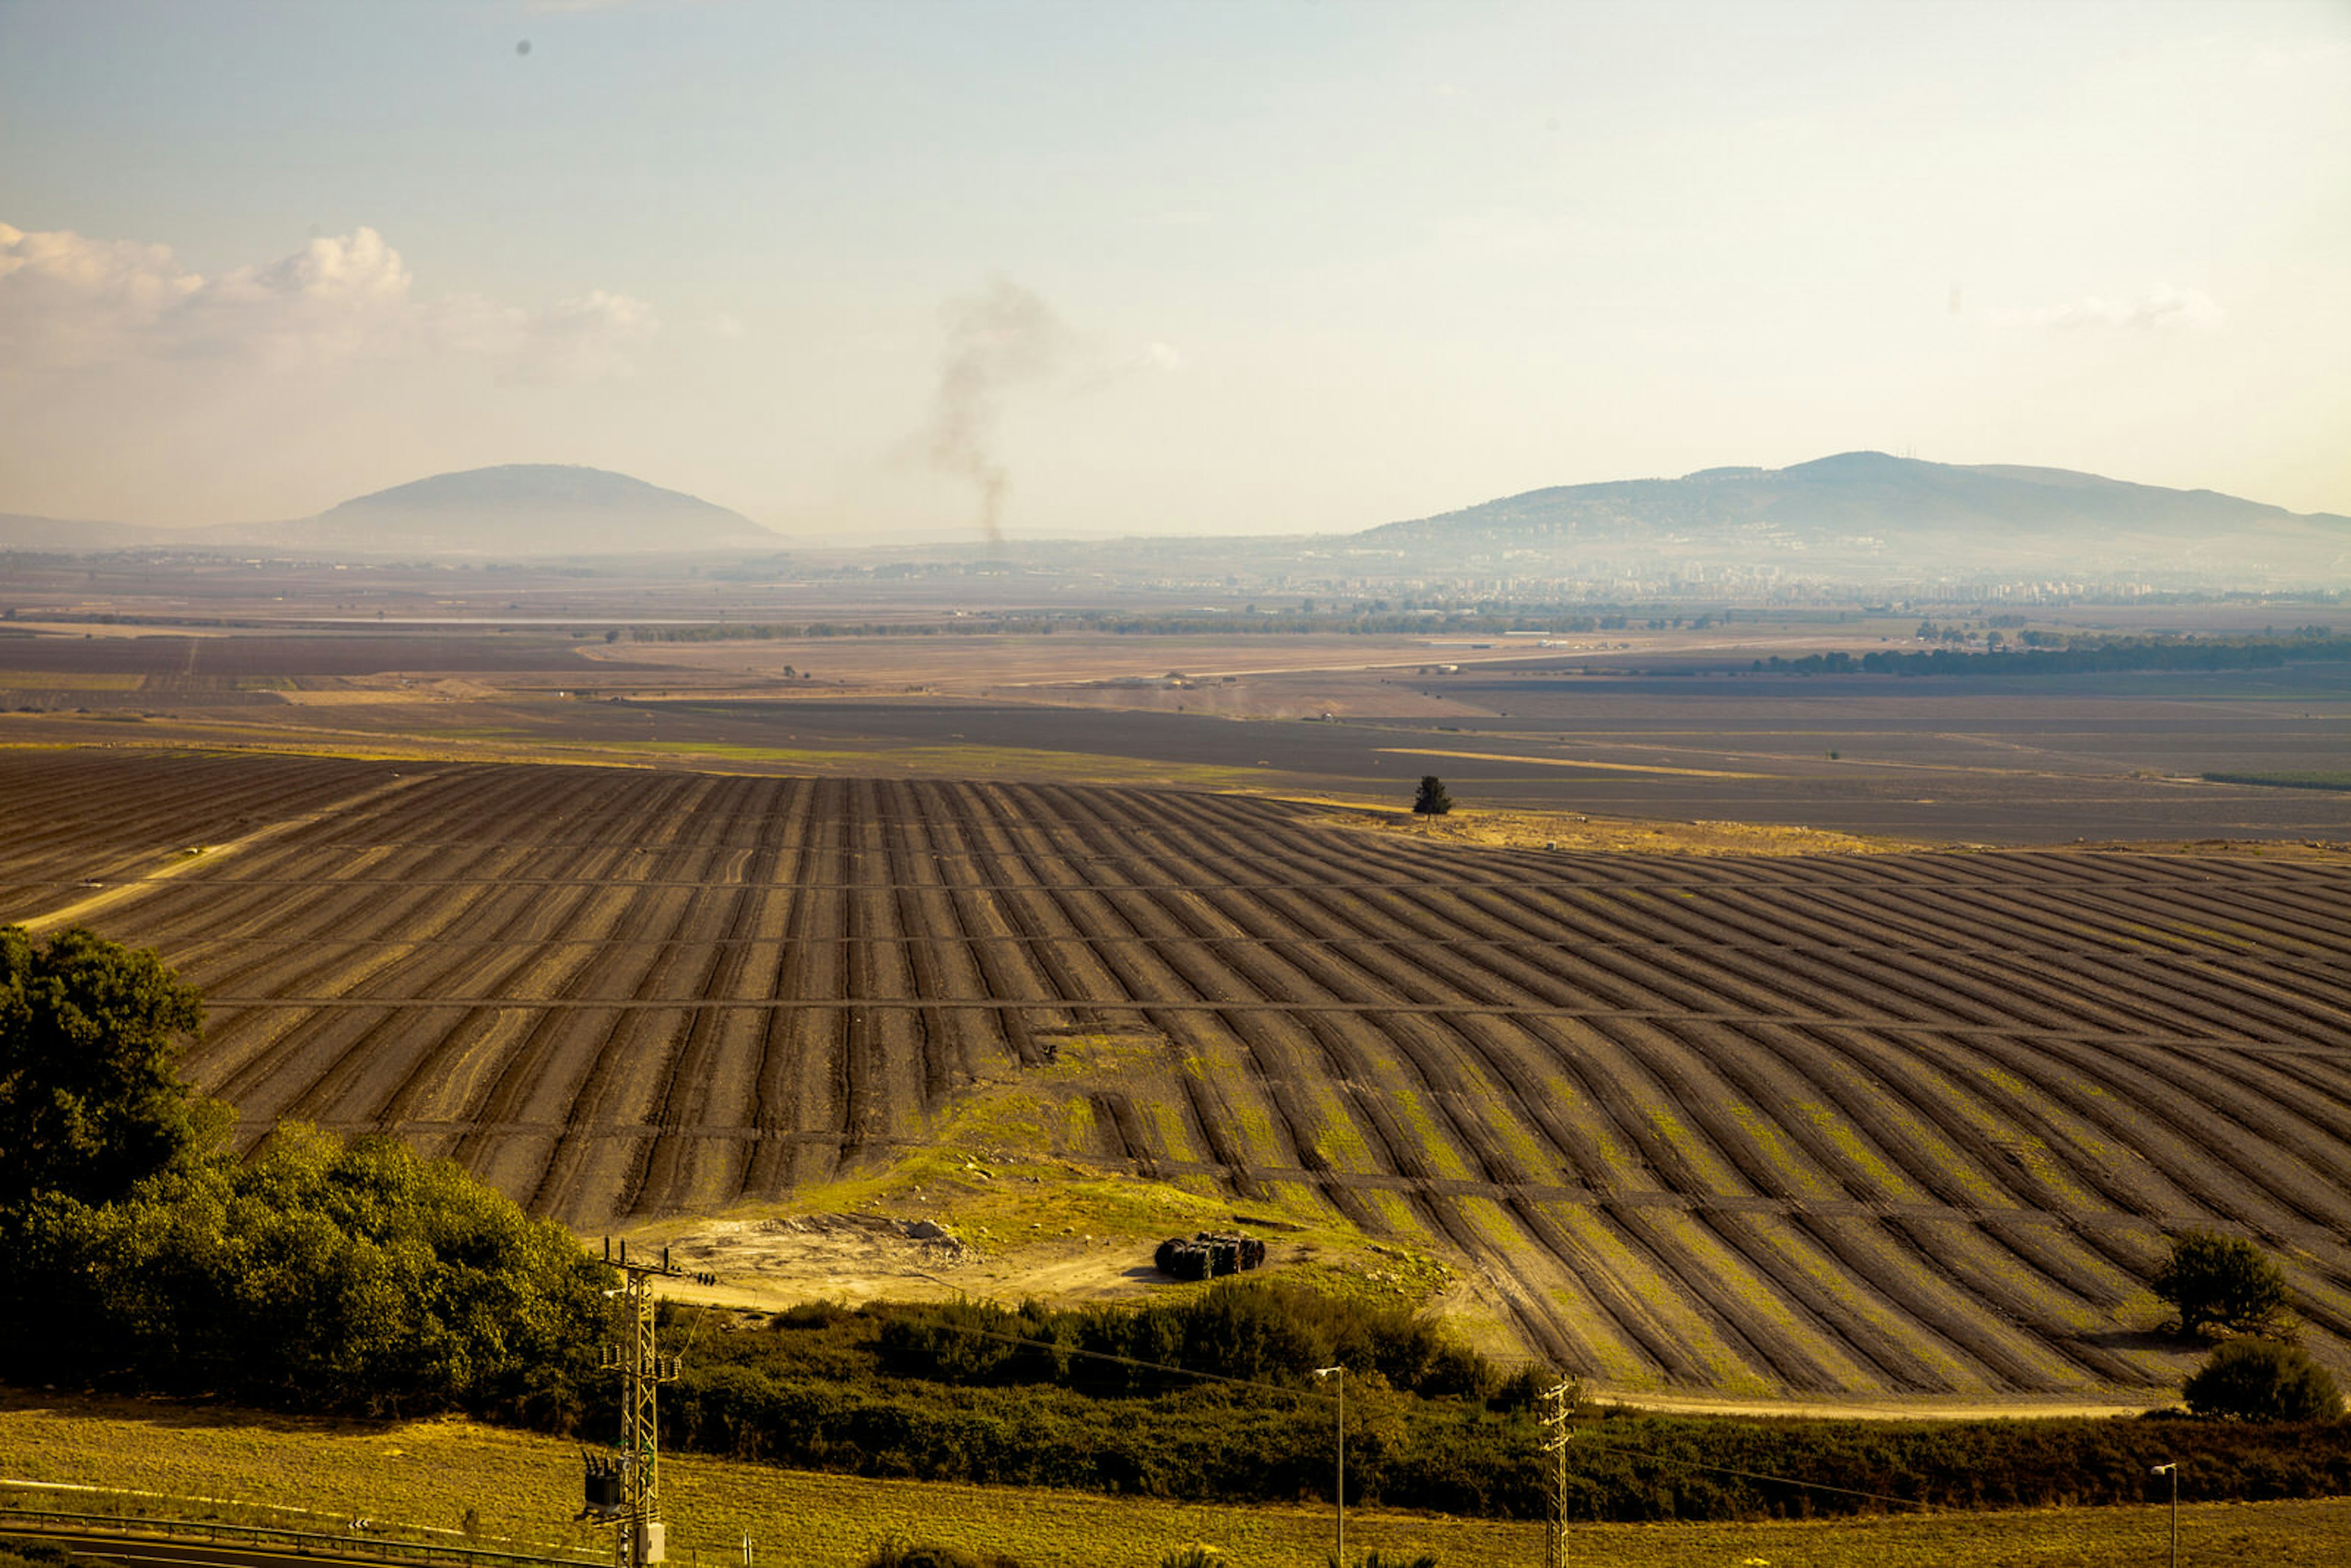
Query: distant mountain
<point>1866,509</point>
<point>518,509</point>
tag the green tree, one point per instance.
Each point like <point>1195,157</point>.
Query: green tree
<point>91,1096</point>
<point>2261,1380</point>
<point>1432,801</point>
<point>331,1275</point>
<point>2225,1283</point>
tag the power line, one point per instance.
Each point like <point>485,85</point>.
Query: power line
<point>1761,1475</point>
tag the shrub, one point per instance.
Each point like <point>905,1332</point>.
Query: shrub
<point>1193,1556</point>
<point>2223,1282</point>
<point>2261,1380</point>
<point>900,1554</point>
<point>351,1276</point>
<point>23,1553</point>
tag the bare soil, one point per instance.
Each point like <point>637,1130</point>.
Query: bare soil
<point>770,1264</point>
<point>1889,1127</point>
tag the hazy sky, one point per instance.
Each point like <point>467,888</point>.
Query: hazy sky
<point>1134,265</point>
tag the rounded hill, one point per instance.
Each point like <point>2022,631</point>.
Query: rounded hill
<point>534,508</point>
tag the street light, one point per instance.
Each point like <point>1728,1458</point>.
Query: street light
<point>1340,1493</point>
<point>2172,1469</point>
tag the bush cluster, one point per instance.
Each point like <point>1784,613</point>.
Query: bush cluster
<point>1256,1330</point>
<point>345,1276</point>
<point>323,1275</point>
<point>885,1391</point>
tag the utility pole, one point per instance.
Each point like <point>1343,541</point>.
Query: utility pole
<point>1559,1401</point>
<point>625,1487</point>
<point>2172,1469</point>
<point>1339,1494</point>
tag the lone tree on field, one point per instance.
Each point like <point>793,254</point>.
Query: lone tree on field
<point>1432,801</point>
<point>2261,1380</point>
<point>2225,1284</point>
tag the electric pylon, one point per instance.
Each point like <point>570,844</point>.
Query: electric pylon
<point>1560,1402</point>
<point>625,1486</point>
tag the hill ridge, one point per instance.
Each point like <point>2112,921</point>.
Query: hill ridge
<point>509,508</point>
<point>1866,511</point>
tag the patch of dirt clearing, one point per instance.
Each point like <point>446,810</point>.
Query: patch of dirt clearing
<point>770,1264</point>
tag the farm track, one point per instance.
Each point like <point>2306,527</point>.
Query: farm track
<point>1896,1124</point>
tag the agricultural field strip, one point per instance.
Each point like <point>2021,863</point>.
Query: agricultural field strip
<point>1059,929</point>
<point>2250,971</point>
<point>1109,1004</point>
<point>1460,1229</point>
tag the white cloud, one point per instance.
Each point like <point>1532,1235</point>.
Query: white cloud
<point>2157,307</point>
<point>584,338</point>
<point>68,300</point>
<point>1158,357</point>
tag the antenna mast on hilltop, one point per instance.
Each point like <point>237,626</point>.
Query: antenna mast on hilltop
<point>625,1486</point>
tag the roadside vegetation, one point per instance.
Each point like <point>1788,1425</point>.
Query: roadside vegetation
<point>1001,1397</point>
<point>523,1487</point>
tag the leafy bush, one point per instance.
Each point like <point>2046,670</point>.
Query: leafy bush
<point>355,1276</point>
<point>90,1097</point>
<point>22,1553</point>
<point>1260,1330</point>
<point>2261,1380</point>
<point>2222,1283</point>
<point>900,1554</point>
<point>1194,1556</point>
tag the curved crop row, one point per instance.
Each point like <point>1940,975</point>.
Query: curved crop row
<point>1900,1122</point>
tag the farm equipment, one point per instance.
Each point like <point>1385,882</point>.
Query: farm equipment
<point>1207,1254</point>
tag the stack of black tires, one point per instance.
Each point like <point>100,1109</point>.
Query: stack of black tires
<point>1207,1254</point>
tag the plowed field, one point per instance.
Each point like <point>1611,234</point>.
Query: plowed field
<point>1872,1125</point>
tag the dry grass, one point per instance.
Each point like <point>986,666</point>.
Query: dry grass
<point>1585,832</point>
<point>524,1489</point>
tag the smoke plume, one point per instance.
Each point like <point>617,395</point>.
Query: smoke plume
<point>999,339</point>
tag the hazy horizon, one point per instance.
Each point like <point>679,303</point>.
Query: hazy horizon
<point>902,273</point>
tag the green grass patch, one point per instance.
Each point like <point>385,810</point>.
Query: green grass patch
<point>2316,779</point>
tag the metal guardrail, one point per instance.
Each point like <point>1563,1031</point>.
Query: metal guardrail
<point>304,1542</point>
